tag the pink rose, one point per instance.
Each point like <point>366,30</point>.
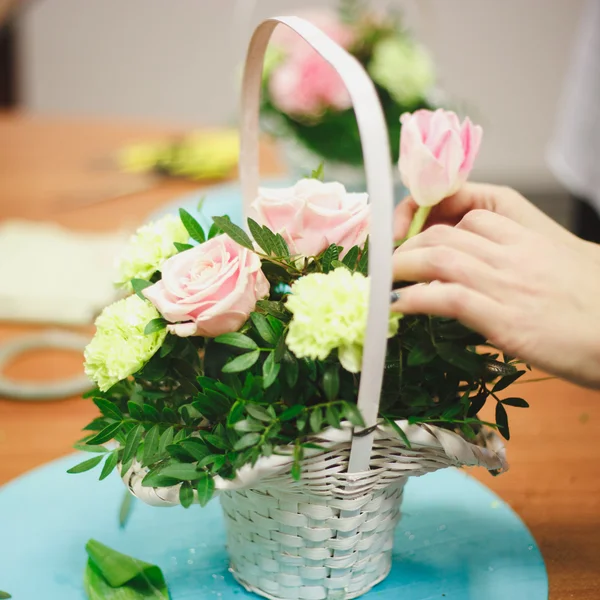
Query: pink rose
<point>436,153</point>
<point>304,84</point>
<point>210,289</point>
<point>312,215</point>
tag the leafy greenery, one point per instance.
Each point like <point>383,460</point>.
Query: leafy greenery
<point>4,595</point>
<point>203,407</point>
<point>112,575</point>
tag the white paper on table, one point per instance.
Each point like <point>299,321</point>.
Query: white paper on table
<point>53,275</point>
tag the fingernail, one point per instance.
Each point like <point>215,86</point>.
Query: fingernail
<point>394,296</point>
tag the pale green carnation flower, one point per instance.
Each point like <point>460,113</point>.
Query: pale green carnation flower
<point>330,312</point>
<point>148,249</point>
<point>120,348</point>
<point>403,68</point>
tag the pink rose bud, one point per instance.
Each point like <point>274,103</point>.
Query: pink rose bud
<point>210,289</point>
<point>436,153</point>
<point>312,215</point>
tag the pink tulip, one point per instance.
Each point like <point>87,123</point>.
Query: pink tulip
<point>210,289</point>
<point>436,153</point>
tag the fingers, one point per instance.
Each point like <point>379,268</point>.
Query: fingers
<point>458,239</point>
<point>438,263</point>
<point>452,300</point>
<point>493,227</point>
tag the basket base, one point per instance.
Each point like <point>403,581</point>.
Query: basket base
<point>332,595</point>
<point>294,546</point>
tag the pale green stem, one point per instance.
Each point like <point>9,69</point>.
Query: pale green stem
<point>418,221</point>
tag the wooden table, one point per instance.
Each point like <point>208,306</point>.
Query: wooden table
<point>47,165</point>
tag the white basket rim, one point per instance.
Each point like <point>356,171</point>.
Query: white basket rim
<point>492,456</point>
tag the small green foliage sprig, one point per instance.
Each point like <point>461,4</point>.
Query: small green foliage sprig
<point>204,407</point>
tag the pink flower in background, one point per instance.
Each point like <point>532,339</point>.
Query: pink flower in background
<point>312,215</point>
<point>304,84</point>
<point>437,153</point>
<point>210,289</point>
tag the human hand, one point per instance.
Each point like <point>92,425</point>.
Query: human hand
<point>533,294</point>
<point>497,199</point>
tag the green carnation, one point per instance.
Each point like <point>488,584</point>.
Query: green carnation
<point>120,348</point>
<point>148,249</point>
<point>330,312</point>
<point>403,68</point>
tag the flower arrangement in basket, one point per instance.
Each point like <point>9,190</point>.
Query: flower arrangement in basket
<point>305,100</point>
<point>265,365</point>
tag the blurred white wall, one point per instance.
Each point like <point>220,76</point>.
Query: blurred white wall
<point>177,61</point>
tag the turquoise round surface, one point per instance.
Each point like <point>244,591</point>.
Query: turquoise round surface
<point>456,540</point>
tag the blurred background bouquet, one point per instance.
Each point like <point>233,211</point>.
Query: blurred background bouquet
<point>306,105</point>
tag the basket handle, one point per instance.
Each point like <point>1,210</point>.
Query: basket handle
<point>376,153</point>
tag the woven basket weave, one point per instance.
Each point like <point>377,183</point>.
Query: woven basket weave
<point>329,535</point>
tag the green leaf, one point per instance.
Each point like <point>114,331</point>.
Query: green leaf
<point>332,416</point>
<point>4,595</point>
<point>182,247</point>
<point>297,465</point>
<point>421,354</point>
<point>241,363</point>
<point>155,325</point>
<point>216,440</point>
<point>155,478</point>
<point>110,575</point>
<point>151,444</point>
<point>108,408</point>
<point>264,329</point>
<point>196,448</point>
<point>94,449</point>
<point>517,402</point>
<point>258,412</point>
<point>502,421</point>
<point>250,439</point>
<point>248,425</point>
<point>139,285</point>
<point>181,471</point>
<point>331,382</point>
<point>274,308</point>
<point>351,257</point>
<point>86,465</point>
<point>363,261</point>
<point>105,435</point>
<point>236,413</point>
<point>477,403</point>
<point>506,381</point>
<point>237,340</point>
<point>165,440</point>
<point>281,247</point>
<point>319,172</point>
<point>316,420</point>
<point>332,253</point>
<point>205,488</point>
<point>132,443</point>
<point>150,412</point>
<point>193,227</point>
<point>237,234</point>
<point>290,368</point>
<point>353,415</point>
<point>109,464</point>
<point>214,231</point>
<point>264,240</point>
<point>186,494</point>
<point>392,423</point>
<point>338,264</point>
<point>290,413</point>
<point>460,358</point>
<point>270,370</point>
<point>125,508</point>
<point>135,410</point>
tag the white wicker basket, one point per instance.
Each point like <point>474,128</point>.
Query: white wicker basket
<point>330,534</point>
